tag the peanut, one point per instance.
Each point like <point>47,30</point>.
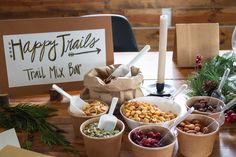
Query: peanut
<point>193,126</point>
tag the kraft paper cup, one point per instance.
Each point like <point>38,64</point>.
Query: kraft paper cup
<point>103,147</point>
<point>192,100</point>
<point>192,145</point>
<point>165,151</point>
<point>78,119</point>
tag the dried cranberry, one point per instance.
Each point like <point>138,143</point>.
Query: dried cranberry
<point>146,139</point>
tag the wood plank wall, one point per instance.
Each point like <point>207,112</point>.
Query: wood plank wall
<point>142,14</point>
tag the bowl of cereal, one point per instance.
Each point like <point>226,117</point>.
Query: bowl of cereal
<point>206,105</point>
<point>93,108</point>
<point>150,110</point>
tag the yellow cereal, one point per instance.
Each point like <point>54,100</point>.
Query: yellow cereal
<point>145,112</point>
<point>94,107</point>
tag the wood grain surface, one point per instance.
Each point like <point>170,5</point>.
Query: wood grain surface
<point>143,15</point>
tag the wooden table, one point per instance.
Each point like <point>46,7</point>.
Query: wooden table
<point>225,145</point>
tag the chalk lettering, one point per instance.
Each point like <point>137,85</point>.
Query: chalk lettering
<point>35,74</point>
<point>56,72</point>
<point>63,42</point>
<point>71,44</point>
<point>73,70</point>
<point>31,48</point>
<point>14,51</point>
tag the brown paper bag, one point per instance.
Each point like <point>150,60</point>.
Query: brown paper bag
<point>11,151</point>
<point>125,88</point>
<point>196,39</point>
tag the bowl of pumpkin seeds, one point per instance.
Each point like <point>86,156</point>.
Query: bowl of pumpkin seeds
<point>101,143</point>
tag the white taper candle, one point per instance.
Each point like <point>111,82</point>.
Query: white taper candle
<point>162,48</point>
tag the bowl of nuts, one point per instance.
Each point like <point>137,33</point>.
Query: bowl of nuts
<point>94,108</point>
<point>147,140</point>
<point>197,135</point>
<point>150,110</point>
<point>206,105</point>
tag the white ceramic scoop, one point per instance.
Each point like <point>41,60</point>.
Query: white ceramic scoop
<point>75,101</point>
<point>178,91</point>
<point>217,93</point>
<point>108,121</point>
<point>124,69</point>
<point>167,136</point>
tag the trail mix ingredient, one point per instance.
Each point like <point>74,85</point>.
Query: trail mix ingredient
<point>94,107</point>
<point>145,112</point>
<point>146,138</point>
<point>93,131</point>
<point>230,116</point>
<point>194,126</point>
<point>204,105</point>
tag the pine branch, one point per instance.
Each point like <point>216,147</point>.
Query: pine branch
<point>213,70</point>
<point>32,118</point>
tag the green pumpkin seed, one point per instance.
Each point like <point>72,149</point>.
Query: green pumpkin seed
<point>93,131</point>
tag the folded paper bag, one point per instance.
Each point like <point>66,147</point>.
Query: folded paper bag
<point>125,88</point>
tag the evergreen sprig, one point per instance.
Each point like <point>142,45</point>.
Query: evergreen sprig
<point>31,118</point>
<point>213,69</point>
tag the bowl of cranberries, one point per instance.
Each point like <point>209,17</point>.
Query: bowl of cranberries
<point>146,140</point>
<point>206,105</point>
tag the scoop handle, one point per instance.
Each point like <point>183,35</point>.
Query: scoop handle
<point>61,91</point>
<point>224,77</point>
<point>139,55</point>
<point>179,90</point>
<point>229,105</point>
<point>113,105</point>
<point>181,118</point>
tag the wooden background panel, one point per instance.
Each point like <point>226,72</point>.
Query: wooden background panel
<point>150,17</point>
<point>199,15</point>
<point>137,17</point>
<point>151,36</point>
<point>143,14</point>
<point>116,4</point>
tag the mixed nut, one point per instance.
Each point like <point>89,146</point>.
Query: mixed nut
<point>94,108</point>
<point>203,105</point>
<point>147,138</point>
<point>93,131</point>
<point>145,112</point>
<point>194,127</point>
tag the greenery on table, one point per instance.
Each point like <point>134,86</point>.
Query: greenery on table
<point>205,80</point>
<point>29,119</point>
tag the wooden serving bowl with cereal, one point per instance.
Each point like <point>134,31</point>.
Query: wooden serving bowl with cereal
<point>150,110</point>
<point>94,108</point>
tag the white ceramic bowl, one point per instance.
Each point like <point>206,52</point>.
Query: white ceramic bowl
<point>163,104</point>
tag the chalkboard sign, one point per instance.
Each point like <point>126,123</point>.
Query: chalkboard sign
<point>36,53</point>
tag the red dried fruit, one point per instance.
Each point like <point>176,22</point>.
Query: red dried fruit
<point>146,139</point>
